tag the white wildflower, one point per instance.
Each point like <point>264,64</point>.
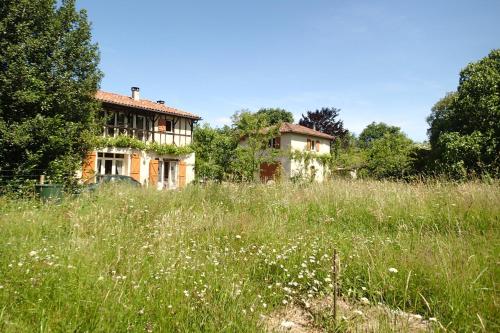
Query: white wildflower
<point>33,253</point>
<point>393,270</point>
<point>364,301</point>
<point>287,324</point>
<point>358,312</point>
<point>238,237</point>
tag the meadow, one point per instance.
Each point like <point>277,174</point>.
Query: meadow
<point>222,258</point>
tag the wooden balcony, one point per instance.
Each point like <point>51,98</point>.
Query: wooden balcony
<point>161,137</point>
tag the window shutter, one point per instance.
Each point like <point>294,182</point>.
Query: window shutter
<point>153,172</point>
<point>162,125</point>
<point>317,145</point>
<point>89,167</point>
<point>135,169</point>
<point>308,144</point>
<point>182,174</point>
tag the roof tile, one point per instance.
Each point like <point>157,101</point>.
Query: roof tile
<point>143,104</point>
<point>299,129</point>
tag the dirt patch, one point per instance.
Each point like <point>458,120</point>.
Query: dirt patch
<point>317,316</point>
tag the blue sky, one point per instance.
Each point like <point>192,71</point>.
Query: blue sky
<point>377,61</point>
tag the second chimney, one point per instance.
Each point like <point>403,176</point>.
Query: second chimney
<point>135,93</point>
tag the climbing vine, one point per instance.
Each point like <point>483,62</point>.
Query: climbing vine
<point>123,141</point>
<point>306,157</point>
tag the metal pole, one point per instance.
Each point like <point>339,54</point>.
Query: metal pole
<point>335,285</point>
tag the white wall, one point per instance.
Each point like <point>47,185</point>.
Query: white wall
<point>181,132</point>
<point>144,162</point>
<point>294,141</point>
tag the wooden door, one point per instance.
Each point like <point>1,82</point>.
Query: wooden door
<point>88,167</point>
<point>268,171</point>
<point>182,174</point>
<point>153,172</point>
<point>135,167</point>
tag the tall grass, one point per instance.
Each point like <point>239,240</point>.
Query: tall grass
<point>216,258</point>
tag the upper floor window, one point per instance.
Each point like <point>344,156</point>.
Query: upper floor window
<point>313,145</point>
<point>164,125</point>
<point>274,143</point>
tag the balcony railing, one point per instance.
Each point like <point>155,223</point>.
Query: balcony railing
<point>160,137</point>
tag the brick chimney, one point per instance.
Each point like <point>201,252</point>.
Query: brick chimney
<point>135,93</point>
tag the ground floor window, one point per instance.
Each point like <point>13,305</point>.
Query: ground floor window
<point>110,164</point>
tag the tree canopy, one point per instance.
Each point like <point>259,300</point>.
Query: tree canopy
<point>375,131</point>
<point>48,78</point>
<point>276,115</point>
<point>465,125</point>
<point>324,120</point>
<point>390,156</point>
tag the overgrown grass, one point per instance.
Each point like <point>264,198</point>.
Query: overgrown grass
<point>216,258</point>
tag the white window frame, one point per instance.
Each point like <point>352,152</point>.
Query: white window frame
<point>113,160</point>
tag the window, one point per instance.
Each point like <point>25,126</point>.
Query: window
<point>164,125</point>
<point>274,143</point>
<point>313,145</point>
<point>110,164</point>
<point>168,126</point>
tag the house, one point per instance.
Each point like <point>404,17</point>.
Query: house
<point>148,124</point>
<point>296,140</point>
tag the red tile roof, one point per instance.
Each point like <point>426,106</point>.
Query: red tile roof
<point>143,104</point>
<point>299,129</point>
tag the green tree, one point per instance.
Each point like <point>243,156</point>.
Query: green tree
<point>472,112</point>
<point>276,115</point>
<point>439,120</point>
<point>48,78</point>
<point>215,150</point>
<point>390,156</point>
<point>254,133</point>
<point>375,131</point>
<point>325,120</point>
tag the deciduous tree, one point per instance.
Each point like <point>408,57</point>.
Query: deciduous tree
<point>276,115</point>
<point>376,131</point>
<point>48,78</point>
<point>469,121</point>
<point>324,120</point>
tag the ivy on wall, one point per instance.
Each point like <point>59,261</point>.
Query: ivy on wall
<point>123,141</point>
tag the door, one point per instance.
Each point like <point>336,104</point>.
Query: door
<point>269,171</point>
